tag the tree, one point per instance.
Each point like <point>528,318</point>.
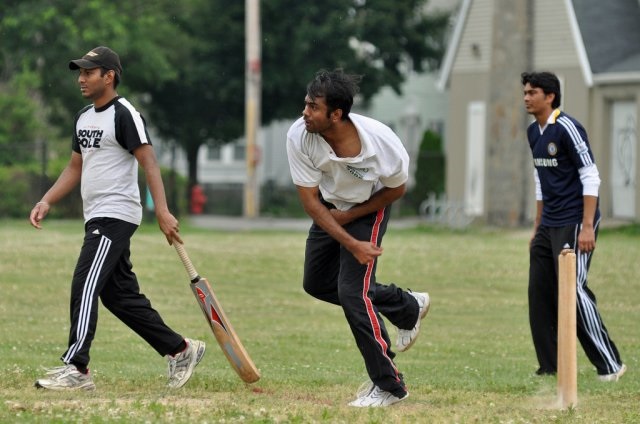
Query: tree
<point>19,128</point>
<point>39,37</point>
<point>507,154</point>
<point>205,104</point>
<point>375,38</point>
<point>185,59</point>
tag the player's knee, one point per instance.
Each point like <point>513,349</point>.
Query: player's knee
<point>323,291</point>
<point>312,288</point>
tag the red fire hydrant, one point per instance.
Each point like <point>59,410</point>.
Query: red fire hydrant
<point>198,199</point>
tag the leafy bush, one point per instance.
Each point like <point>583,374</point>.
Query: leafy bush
<point>21,186</point>
<point>278,201</point>
<point>430,170</point>
<point>19,110</point>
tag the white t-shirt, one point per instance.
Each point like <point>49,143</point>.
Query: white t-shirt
<point>346,182</point>
<point>106,138</point>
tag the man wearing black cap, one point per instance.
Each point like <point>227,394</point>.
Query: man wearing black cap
<point>109,142</point>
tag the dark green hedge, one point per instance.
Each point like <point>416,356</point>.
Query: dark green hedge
<point>21,186</point>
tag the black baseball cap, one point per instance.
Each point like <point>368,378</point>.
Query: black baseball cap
<point>100,57</point>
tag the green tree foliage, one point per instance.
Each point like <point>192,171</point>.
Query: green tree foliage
<point>205,102</point>
<point>42,36</point>
<point>19,127</point>
<point>430,171</point>
<point>185,60</point>
<point>375,38</point>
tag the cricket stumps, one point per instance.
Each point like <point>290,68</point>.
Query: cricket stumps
<point>567,337</point>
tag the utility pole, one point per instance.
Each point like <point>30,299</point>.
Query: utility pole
<point>253,88</point>
<point>508,166</point>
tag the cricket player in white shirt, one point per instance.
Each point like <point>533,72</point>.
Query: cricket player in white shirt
<point>348,170</point>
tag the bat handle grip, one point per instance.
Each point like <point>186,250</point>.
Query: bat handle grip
<point>191,270</point>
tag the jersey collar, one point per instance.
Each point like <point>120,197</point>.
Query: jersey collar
<point>367,150</point>
<point>108,105</point>
<point>550,120</point>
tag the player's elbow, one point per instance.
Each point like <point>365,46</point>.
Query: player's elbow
<point>397,192</point>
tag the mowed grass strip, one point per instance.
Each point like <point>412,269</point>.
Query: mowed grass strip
<point>473,362</point>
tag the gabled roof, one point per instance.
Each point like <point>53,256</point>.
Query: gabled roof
<point>452,47</point>
<point>606,33</point>
<point>611,34</point>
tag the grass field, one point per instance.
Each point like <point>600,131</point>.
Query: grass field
<point>473,362</point>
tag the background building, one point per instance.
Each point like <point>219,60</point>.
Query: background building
<point>593,46</point>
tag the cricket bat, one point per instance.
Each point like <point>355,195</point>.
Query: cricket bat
<point>222,330</point>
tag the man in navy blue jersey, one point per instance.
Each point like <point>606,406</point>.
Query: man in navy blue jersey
<point>567,184</point>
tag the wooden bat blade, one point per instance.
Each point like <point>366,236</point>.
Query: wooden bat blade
<point>224,333</point>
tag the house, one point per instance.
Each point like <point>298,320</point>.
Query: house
<point>222,170</point>
<point>594,48</point>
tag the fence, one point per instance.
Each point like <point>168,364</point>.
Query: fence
<point>440,210</point>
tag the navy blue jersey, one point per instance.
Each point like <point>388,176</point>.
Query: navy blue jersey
<point>558,153</point>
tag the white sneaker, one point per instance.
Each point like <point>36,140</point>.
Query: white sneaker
<point>66,377</point>
<point>54,370</point>
<point>182,365</point>
<point>615,376</point>
<point>364,389</point>
<point>373,396</point>
<point>406,338</point>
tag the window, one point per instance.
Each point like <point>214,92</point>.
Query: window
<point>214,153</point>
<point>239,152</point>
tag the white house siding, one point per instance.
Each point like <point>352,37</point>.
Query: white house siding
<point>464,89</point>
<point>228,169</point>
<point>554,45</point>
<point>474,50</point>
<point>274,165</point>
<point>467,85</point>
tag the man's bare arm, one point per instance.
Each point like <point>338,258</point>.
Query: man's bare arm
<point>67,181</point>
<point>587,236</point>
<point>536,220</point>
<point>377,201</point>
<point>168,223</point>
<point>363,251</point>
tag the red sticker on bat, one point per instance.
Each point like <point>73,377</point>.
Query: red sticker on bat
<point>212,311</point>
<point>215,316</point>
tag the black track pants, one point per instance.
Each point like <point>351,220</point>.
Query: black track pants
<point>543,303</point>
<point>104,270</point>
<point>332,274</point>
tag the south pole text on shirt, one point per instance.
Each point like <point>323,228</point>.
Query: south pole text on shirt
<point>90,138</point>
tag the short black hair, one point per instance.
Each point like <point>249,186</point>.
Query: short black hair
<point>547,81</point>
<point>337,88</point>
<point>116,79</point>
